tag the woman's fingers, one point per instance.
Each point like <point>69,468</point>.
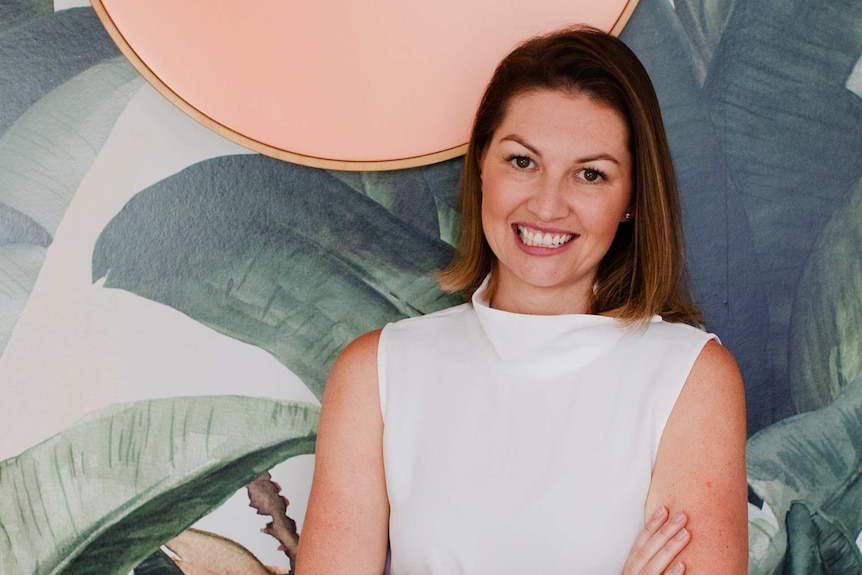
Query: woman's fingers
<point>657,546</point>
<point>664,561</point>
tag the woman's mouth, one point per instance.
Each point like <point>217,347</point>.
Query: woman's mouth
<point>537,239</point>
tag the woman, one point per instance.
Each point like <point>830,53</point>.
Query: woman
<point>549,425</point>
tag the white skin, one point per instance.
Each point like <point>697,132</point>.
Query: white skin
<point>558,163</point>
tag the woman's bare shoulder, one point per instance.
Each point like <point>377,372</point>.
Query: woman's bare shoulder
<point>355,365</point>
<point>352,383</point>
<point>715,356</point>
<point>362,348</point>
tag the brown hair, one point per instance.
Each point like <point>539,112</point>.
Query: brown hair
<point>643,273</point>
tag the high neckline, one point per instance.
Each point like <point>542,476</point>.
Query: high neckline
<point>543,345</point>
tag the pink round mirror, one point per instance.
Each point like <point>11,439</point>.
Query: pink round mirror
<point>336,83</point>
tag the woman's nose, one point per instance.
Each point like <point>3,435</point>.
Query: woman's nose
<point>547,201</point>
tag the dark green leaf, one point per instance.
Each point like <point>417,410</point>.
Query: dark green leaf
<point>284,257</point>
<point>158,564</point>
<point>817,547</point>
<point>15,12</point>
<point>790,130</point>
<point>46,152</point>
<point>816,457</point>
<point>442,180</point>
<point>41,54</point>
<point>104,494</point>
<point>704,22</point>
<point>403,193</point>
<point>17,228</point>
<point>424,197</point>
<point>826,330</point>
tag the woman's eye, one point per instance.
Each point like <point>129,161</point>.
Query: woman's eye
<point>591,175</point>
<point>521,162</point>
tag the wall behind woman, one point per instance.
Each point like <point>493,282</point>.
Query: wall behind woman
<point>144,258</point>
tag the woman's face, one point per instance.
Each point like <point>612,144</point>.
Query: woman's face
<point>556,184</point>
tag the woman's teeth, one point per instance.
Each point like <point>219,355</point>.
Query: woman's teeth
<point>543,240</point>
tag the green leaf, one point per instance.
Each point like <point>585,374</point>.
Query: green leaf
<point>18,228</point>
<point>403,193</point>
<point>815,457</point>
<point>47,151</point>
<point>41,54</point>
<point>704,22</point>
<point>280,256</point>
<point>20,265</point>
<point>766,544</point>
<point>15,12</point>
<point>826,326</point>
<point>443,183</point>
<point>815,546</point>
<point>778,99</point>
<point>43,157</point>
<point>104,494</point>
<point>424,197</point>
<point>158,564</point>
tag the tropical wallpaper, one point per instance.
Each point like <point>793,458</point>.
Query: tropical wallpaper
<point>185,298</point>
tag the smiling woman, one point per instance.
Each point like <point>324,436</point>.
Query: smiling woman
<point>477,439</point>
<point>643,271</point>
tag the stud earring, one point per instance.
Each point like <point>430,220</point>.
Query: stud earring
<point>628,216</point>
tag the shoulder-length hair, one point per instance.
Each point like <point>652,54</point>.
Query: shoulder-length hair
<point>643,273</point>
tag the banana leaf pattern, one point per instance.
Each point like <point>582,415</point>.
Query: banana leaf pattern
<point>762,101</point>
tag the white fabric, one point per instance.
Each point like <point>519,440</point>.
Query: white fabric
<point>523,444</point>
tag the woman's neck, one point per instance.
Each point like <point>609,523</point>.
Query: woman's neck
<point>535,300</point>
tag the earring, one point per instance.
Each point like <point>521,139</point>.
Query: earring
<point>628,216</point>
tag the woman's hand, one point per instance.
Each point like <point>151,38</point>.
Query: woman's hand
<point>658,545</point>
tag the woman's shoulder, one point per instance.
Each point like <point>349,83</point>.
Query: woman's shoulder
<point>359,357</point>
<point>659,338</point>
<point>714,387</point>
<point>363,344</point>
<point>715,362</point>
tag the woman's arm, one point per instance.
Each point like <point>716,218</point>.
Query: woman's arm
<point>700,465</point>
<point>347,523</point>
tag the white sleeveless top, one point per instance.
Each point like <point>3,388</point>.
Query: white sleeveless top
<point>519,444</point>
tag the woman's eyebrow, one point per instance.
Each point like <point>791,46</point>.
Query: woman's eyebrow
<point>591,158</point>
<point>597,157</point>
<point>520,140</point>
